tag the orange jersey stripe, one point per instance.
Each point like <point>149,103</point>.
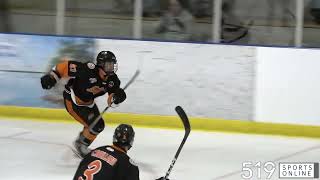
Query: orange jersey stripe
<point>88,135</point>
<point>63,68</point>
<point>86,132</point>
<point>119,149</point>
<point>74,114</point>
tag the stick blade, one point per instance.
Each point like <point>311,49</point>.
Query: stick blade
<point>183,116</point>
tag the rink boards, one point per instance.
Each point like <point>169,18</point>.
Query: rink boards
<point>247,89</point>
<point>166,122</point>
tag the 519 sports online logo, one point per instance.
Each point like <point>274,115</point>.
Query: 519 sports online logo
<point>282,170</point>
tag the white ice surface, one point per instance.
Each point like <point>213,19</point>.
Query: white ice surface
<point>36,150</point>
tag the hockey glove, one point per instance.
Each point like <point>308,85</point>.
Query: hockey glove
<point>162,178</point>
<point>119,96</point>
<point>47,81</point>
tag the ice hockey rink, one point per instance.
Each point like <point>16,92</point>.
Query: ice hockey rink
<point>34,150</point>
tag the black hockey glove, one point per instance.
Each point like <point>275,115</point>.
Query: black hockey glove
<point>119,96</point>
<point>162,178</point>
<point>47,81</point>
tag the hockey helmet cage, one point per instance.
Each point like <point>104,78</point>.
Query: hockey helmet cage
<point>107,61</point>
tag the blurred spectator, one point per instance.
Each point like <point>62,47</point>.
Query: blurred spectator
<point>315,10</point>
<point>204,8</point>
<point>151,8</point>
<point>233,29</point>
<point>122,6</point>
<point>201,8</point>
<point>176,23</point>
<point>4,16</point>
<point>279,11</point>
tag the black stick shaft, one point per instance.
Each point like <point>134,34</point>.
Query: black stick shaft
<point>176,156</point>
<point>183,116</point>
<point>125,87</point>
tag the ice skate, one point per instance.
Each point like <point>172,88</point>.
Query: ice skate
<point>80,149</point>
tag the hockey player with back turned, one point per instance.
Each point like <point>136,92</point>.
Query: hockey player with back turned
<point>111,162</point>
<point>86,82</point>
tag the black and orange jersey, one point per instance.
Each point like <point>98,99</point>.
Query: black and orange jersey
<point>85,82</point>
<point>107,163</point>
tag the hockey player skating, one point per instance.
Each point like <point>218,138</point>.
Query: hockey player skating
<point>86,82</point>
<point>111,162</point>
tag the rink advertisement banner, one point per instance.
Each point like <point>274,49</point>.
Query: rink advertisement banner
<point>25,58</point>
<point>208,80</point>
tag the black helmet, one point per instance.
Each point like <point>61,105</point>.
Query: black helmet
<point>123,136</point>
<point>107,61</point>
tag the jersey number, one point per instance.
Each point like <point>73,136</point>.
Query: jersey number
<point>93,168</point>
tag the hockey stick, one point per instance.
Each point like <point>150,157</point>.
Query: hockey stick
<point>183,116</point>
<point>133,78</point>
<point>21,71</point>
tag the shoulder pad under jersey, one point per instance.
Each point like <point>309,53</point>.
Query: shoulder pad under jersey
<point>132,162</point>
<point>91,65</point>
<point>110,149</point>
